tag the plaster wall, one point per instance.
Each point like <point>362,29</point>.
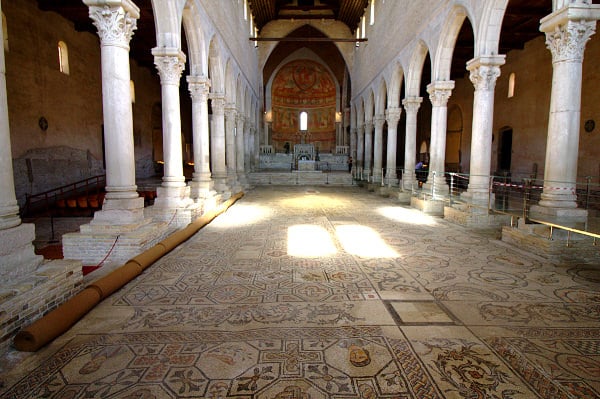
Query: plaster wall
<point>71,147</point>
<point>228,21</point>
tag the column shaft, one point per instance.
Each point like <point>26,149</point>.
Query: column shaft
<point>360,147</point>
<point>411,107</point>
<point>201,182</point>
<point>439,93</point>
<point>368,146</point>
<point>217,143</point>
<point>392,117</point>
<point>484,73</point>
<point>379,120</point>
<point>170,64</point>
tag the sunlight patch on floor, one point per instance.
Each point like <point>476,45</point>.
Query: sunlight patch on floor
<point>305,240</point>
<point>363,241</point>
<point>243,214</point>
<point>405,215</point>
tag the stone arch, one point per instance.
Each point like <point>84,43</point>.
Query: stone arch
<point>194,34</point>
<point>488,42</point>
<point>167,21</point>
<point>230,82</point>
<point>443,57</point>
<point>370,106</point>
<point>215,67</point>
<point>415,69</point>
<point>395,86</point>
<point>381,98</point>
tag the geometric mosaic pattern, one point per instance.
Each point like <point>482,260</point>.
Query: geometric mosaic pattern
<point>298,293</point>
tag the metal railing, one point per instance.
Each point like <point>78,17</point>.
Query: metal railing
<point>515,195</point>
<point>43,202</point>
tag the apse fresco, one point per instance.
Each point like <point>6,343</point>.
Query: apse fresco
<point>303,85</point>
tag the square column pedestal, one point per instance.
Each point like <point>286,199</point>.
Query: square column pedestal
<point>107,238</point>
<point>174,206</point>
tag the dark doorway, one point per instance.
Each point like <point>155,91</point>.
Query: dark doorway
<point>505,149</point>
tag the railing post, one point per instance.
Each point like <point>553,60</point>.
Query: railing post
<point>451,186</point>
<point>526,194</point>
<point>587,191</point>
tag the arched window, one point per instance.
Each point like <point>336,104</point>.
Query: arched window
<point>245,10</point>
<point>4,32</point>
<point>372,13</point>
<point>303,120</point>
<point>132,91</point>
<point>63,57</point>
<point>363,27</point>
<point>511,85</point>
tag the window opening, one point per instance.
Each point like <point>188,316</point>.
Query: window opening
<point>511,85</point>
<point>372,17</point>
<point>63,57</point>
<point>303,120</point>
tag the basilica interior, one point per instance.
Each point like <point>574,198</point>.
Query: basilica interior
<point>299,199</point>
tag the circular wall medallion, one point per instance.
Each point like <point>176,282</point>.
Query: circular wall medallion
<point>43,123</point>
<point>589,125</point>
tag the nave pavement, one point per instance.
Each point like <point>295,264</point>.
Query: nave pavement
<point>308,293</point>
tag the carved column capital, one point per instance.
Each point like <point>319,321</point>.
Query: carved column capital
<point>567,42</point>
<point>199,87</point>
<point>393,116</point>
<point>439,92</point>
<point>368,126</point>
<point>412,104</point>
<point>217,103</point>
<point>378,121</point>
<point>484,77</point>
<point>115,24</point>
<point>169,66</point>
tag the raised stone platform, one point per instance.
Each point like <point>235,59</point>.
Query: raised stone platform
<point>300,178</point>
<point>25,300</point>
<point>91,246</point>
<point>536,238</point>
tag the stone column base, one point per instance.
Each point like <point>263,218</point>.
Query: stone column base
<point>428,206</point>
<point>25,300</point>
<point>564,214</point>
<point>17,252</point>
<point>93,243</point>
<point>474,217</point>
<point>439,187</point>
<point>402,197</point>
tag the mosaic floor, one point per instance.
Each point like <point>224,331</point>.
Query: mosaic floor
<point>308,293</point>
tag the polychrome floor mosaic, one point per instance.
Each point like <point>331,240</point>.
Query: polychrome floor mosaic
<point>309,293</point>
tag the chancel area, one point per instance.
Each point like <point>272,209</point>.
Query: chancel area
<point>299,199</point>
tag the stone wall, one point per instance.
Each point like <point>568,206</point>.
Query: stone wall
<point>71,146</point>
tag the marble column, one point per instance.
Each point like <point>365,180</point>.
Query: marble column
<point>392,116</point>
<point>230,145</point>
<point>116,22</point>
<point>360,146</point>
<point>411,107</point>
<point>439,93</point>
<point>378,122</point>
<point>368,147</point>
<point>217,143</point>
<point>484,71</point>
<point>173,192</point>
<point>201,186</point>
<point>16,251</point>
<point>353,143</point>
<point>567,31</point>
<point>240,149</point>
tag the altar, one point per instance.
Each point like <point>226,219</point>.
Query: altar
<point>306,165</point>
